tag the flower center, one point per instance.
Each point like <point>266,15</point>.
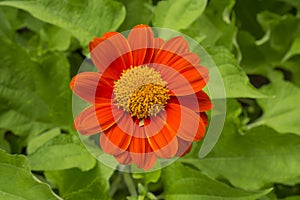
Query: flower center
<point>141,92</point>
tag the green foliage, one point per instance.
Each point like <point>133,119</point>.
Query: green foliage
<point>254,159</point>
<point>256,47</point>
<point>183,182</point>
<point>59,153</point>
<point>28,88</point>
<point>137,12</point>
<point>177,15</point>
<point>280,112</point>
<point>75,184</point>
<point>78,17</point>
<point>18,183</point>
<point>233,74</point>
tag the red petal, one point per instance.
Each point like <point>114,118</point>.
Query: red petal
<point>204,117</point>
<point>191,127</point>
<point>161,132</point>
<point>112,56</point>
<point>97,41</point>
<point>144,160</point>
<point>91,87</point>
<point>174,60</point>
<point>184,147</point>
<point>158,43</point>
<point>115,141</point>
<point>177,45</point>
<point>87,122</point>
<point>199,102</point>
<point>141,40</point>
<point>97,118</point>
<point>124,158</point>
<point>140,150</point>
<point>181,83</point>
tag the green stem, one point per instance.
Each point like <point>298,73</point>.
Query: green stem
<point>115,184</point>
<point>130,184</point>
<point>254,124</point>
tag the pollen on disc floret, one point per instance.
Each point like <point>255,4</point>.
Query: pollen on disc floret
<point>141,91</point>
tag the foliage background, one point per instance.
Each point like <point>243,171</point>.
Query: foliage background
<point>256,46</point>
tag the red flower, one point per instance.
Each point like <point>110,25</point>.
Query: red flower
<point>146,97</point>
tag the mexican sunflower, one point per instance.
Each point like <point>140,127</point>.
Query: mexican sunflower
<point>146,97</point>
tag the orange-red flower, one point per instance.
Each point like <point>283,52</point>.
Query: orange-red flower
<point>147,97</point>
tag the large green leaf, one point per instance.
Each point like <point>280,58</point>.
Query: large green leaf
<point>97,189</point>
<point>177,15</point>
<point>34,94</point>
<point>235,79</point>
<point>71,182</point>
<point>253,160</point>
<point>183,182</point>
<point>84,19</point>
<point>61,152</point>
<point>282,111</point>
<point>17,183</point>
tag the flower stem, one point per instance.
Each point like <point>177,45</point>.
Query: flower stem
<point>114,185</point>
<point>130,185</point>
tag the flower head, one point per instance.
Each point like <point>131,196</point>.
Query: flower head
<point>146,98</point>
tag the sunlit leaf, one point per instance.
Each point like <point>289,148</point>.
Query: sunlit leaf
<point>61,153</point>
<point>187,183</point>
<point>90,184</point>
<point>235,79</point>
<point>78,17</point>
<point>253,160</point>
<point>17,182</point>
<point>177,14</point>
<point>282,111</point>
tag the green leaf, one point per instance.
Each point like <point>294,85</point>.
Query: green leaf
<point>137,12</point>
<point>292,198</point>
<point>256,59</point>
<point>17,183</point>
<point>97,189</point>
<point>3,143</point>
<point>35,94</point>
<point>177,15</point>
<point>220,14</point>
<point>256,159</point>
<point>294,50</point>
<point>72,182</point>
<point>235,79</point>
<point>292,66</point>
<point>204,31</point>
<point>187,183</point>
<point>282,111</point>
<point>149,177</point>
<point>40,140</point>
<point>260,56</point>
<point>61,153</point>
<point>215,26</point>
<point>84,19</point>
<point>54,38</point>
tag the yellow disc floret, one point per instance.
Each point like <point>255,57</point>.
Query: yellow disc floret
<point>148,100</point>
<point>141,92</point>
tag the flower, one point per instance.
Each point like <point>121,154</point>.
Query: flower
<point>146,98</point>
